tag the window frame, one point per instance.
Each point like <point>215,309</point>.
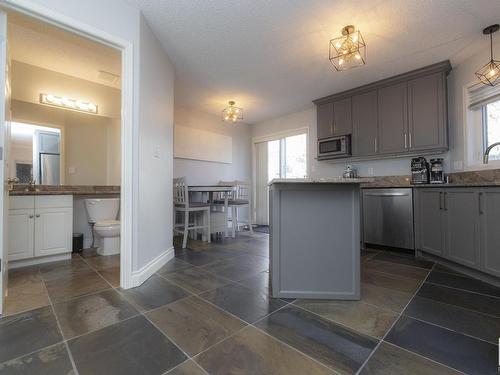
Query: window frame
<point>484,126</point>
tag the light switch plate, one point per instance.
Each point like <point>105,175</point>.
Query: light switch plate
<point>370,171</point>
<point>71,170</point>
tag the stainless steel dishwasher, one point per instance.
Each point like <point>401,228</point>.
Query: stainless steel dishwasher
<point>388,217</point>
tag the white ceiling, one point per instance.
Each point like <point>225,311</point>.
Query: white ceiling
<point>272,56</point>
<point>43,45</point>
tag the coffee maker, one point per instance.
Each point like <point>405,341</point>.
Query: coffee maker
<point>419,171</point>
<point>437,172</point>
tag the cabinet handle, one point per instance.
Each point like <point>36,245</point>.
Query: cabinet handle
<point>406,145</point>
<point>31,216</point>
<point>332,128</point>
<point>37,215</point>
<point>409,136</point>
<point>440,200</point>
<point>446,201</point>
<point>375,144</point>
<point>480,203</point>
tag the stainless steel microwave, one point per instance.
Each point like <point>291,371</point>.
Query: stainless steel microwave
<point>334,147</point>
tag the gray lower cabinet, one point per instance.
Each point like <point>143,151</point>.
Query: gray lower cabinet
<point>429,223</point>
<point>364,124</point>
<point>489,201</point>
<point>461,225</point>
<point>461,232</point>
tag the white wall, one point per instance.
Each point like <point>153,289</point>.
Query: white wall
<point>462,74</point>
<point>155,149</point>
<point>199,172</point>
<point>152,110</point>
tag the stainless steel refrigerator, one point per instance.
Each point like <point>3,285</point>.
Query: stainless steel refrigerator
<point>49,168</point>
<point>47,158</point>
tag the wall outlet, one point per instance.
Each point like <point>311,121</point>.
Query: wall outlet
<point>370,171</point>
<point>71,170</point>
<point>458,165</point>
<point>157,152</point>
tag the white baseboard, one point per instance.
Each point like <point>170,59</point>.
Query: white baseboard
<point>138,277</point>
<point>33,261</point>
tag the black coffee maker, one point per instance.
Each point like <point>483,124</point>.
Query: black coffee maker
<point>437,172</point>
<point>419,171</point>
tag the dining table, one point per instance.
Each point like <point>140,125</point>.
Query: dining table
<point>210,190</point>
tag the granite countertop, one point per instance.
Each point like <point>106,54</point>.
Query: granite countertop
<point>20,190</point>
<point>331,180</point>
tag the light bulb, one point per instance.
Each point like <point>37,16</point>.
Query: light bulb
<point>358,56</point>
<point>341,61</point>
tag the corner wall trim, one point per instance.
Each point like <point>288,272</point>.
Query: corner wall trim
<point>138,277</point>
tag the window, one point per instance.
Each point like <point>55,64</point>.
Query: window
<point>491,127</point>
<point>287,157</point>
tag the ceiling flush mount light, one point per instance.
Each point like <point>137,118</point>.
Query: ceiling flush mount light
<point>349,50</point>
<point>490,73</point>
<point>73,104</point>
<point>232,113</point>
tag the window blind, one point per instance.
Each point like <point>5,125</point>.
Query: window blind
<point>480,95</point>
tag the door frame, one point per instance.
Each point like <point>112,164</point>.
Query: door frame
<point>273,137</point>
<point>129,143</point>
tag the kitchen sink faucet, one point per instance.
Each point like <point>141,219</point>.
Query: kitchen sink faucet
<point>486,155</point>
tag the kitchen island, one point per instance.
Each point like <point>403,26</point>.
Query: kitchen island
<point>315,238</point>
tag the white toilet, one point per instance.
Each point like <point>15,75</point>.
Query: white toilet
<point>103,212</point>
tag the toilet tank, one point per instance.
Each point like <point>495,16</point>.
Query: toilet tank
<point>100,209</point>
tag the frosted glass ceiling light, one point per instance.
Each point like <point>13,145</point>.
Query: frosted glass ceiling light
<point>232,113</point>
<point>490,73</point>
<point>67,103</point>
<point>349,50</point>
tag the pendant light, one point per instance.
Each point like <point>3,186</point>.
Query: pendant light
<point>349,50</point>
<point>232,113</point>
<point>490,73</point>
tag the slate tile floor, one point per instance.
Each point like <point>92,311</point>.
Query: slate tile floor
<point>209,311</point>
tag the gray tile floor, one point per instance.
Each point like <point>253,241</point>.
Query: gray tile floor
<point>209,311</point>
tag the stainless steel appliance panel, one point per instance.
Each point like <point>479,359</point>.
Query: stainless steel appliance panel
<point>388,217</point>
<point>50,169</point>
<point>334,147</point>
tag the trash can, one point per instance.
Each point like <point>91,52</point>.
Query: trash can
<point>77,242</point>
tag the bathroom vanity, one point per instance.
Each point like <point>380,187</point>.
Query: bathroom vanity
<point>41,221</point>
<point>40,228</point>
<point>315,238</point>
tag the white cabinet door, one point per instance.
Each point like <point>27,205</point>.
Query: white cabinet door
<point>53,231</point>
<point>20,235</point>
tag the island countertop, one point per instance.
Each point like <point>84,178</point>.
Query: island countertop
<point>20,190</point>
<point>329,180</point>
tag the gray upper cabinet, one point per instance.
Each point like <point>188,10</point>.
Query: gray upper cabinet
<point>427,113</point>
<point>342,119</point>
<point>429,221</point>
<point>489,212</point>
<point>462,226</point>
<point>392,118</point>
<point>364,124</point>
<point>324,115</point>
<point>334,118</point>
<point>410,114</point>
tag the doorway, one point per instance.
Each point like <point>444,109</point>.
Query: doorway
<point>69,101</point>
<point>278,156</point>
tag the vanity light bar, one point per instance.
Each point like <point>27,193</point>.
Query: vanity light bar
<point>75,105</point>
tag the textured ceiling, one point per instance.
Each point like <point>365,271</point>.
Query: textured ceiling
<point>271,56</point>
<point>43,45</point>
